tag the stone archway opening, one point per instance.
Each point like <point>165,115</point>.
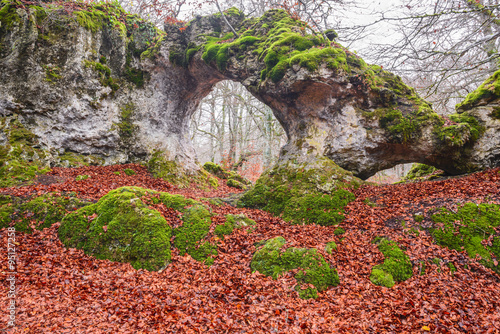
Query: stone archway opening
<point>232,128</point>
<point>391,175</point>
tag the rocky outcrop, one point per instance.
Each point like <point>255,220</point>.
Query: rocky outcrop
<point>99,82</point>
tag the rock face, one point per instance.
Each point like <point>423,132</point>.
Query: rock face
<point>103,83</point>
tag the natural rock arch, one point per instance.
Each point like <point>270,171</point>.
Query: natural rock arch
<point>119,93</point>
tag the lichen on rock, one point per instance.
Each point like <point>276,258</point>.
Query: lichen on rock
<point>271,260</point>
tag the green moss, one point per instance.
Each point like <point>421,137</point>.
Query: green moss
<point>396,267</point>
<point>71,159</point>
<point>271,260</point>
<point>303,193</point>
<point>42,211</point>
<point>189,238</point>
<point>381,277</point>
<point>129,171</point>
<point>232,222</point>
<point>452,267</point>
<point>81,177</point>
<point>236,184</point>
<point>234,179</point>
<point>20,162</point>
<point>330,247</point>
<point>172,172</point>
<point>104,73</point>
<point>116,173</point>
<point>52,73</point>
<point>321,209</point>
<point>126,127</point>
<point>418,218</point>
<point>466,228</point>
<point>8,17</point>
<point>120,227</point>
<point>485,93</point>
<point>419,171</point>
<point>339,231</point>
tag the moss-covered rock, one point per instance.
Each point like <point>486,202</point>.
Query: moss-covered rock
<point>172,172</point>
<point>396,267</point>
<point>419,172</point>
<point>271,260</point>
<point>468,228</point>
<point>120,227</point>
<point>42,211</point>
<point>303,193</point>
<point>234,179</point>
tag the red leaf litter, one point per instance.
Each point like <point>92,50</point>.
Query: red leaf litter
<point>63,290</point>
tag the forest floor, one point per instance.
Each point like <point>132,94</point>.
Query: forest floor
<point>65,291</point>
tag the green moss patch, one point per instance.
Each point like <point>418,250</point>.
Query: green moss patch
<point>42,211</point>
<point>468,228</point>
<point>81,177</point>
<point>419,172</point>
<point>396,267</point>
<point>488,91</point>
<point>104,73</point>
<point>234,179</point>
<point>271,260</point>
<point>189,238</point>
<point>304,193</point>
<point>232,222</point>
<point>120,227</point>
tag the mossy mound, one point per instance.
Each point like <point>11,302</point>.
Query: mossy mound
<point>120,227</point>
<point>232,222</point>
<point>41,211</point>
<point>396,267</point>
<point>487,92</point>
<point>170,171</point>
<point>20,162</point>
<point>304,193</point>
<point>233,179</point>
<point>470,228</point>
<point>271,260</point>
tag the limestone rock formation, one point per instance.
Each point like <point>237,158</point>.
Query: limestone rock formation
<point>99,82</point>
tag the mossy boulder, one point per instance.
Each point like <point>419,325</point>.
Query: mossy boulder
<point>396,267</point>
<point>120,227</point>
<point>471,228</point>
<point>233,179</point>
<point>42,211</point>
<point>173,172</point>
<point>272,260</point>
<point>305,193</point>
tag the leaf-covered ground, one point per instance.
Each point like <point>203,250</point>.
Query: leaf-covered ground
<point>65,291</point>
